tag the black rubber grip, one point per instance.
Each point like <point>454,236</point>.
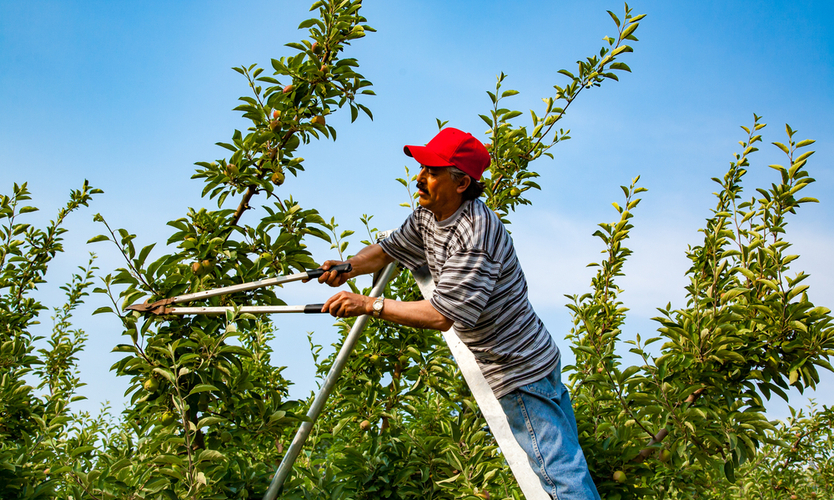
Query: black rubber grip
<point>341,268</point>
<point>313,308</point>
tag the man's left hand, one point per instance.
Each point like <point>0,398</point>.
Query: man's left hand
<point>347,305</point>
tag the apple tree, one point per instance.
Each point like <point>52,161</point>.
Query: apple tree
<point>798,464</point>
<point>208,407</point>
<point>693,409</point>
<point>36,421</point>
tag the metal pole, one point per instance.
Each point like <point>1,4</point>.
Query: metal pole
<point>329,383</point>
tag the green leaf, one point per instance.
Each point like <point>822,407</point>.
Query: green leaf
<point>628,372</point>
<point>307,23</point>
<point>81,449</point>
<point>807,200</point>
<point>729,471</point>
<point>120,464</point>
<point>509,116</point>
<point>450,479</point>
<point>615,18</point>
<point>782,147</point>
<point>731,294</point>
<point>165,373</point>
<point>725,354</point>
<point>628,31</point>
<point>296,45</point>
<point>209,421</point>
<point>168,459</point>
<point>825,364</point>
<point>203,388</point>
<point>210,456</point>
<point>621,49</point>
<point>98,238</point>
<point>620,66</point>
<point>143,254</point>
<point>366,111</point>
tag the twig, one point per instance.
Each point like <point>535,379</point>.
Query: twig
<point>662,433</point>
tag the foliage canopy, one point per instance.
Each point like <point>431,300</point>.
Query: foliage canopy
<point>209,415</point>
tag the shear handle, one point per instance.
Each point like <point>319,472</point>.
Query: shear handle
<point>341,268</point>
<point>161,306</point>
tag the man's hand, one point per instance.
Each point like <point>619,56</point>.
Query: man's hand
<point>416,314</point>
<point>370,259</point>
<point>347,305</point>
<point>333,278</point>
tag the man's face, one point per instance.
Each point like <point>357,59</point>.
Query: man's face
<point>437,191</point>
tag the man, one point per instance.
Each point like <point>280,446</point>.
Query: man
<point>480,289</point>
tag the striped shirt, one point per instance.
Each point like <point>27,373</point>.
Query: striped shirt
<point>480,286</point>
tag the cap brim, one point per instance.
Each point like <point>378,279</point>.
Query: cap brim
<point>425,156</point>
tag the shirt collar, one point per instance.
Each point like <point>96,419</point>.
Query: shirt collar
<point>452,219</point>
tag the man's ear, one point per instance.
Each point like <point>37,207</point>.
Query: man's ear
<point>463,184</point>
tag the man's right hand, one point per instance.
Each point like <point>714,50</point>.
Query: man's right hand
<point>333,278</point>
<point>370,259</point>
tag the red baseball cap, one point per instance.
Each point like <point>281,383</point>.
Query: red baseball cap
<point>452,148</point>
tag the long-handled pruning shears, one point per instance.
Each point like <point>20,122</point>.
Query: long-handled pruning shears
<point>163,306</point>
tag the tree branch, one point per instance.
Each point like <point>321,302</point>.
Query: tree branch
<point>648,451</point>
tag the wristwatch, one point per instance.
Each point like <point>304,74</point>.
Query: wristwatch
<point>378,303</point>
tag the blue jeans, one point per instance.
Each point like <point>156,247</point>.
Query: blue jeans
<point>541,418</point>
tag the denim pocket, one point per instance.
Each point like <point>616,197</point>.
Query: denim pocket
<point>549,386</point>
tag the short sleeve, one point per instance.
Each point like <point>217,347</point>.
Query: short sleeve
<point>406,244</point>
<point>466,284</point>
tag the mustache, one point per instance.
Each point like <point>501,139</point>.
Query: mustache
<point>422,187</point>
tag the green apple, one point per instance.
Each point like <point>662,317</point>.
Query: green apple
<point>167,418</point>
<point>278,178</point>
<point>151,384</point>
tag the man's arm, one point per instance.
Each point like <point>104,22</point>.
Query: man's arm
<point>368,260</point>
<point>417,314</point>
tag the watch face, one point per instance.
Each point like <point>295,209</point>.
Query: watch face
<point>377,305</point>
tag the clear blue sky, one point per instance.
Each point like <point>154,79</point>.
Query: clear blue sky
<point>130,94</point>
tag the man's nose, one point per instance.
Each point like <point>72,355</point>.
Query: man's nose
<point>421,174</point>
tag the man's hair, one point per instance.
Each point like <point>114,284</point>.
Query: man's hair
<point>475,189</point>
